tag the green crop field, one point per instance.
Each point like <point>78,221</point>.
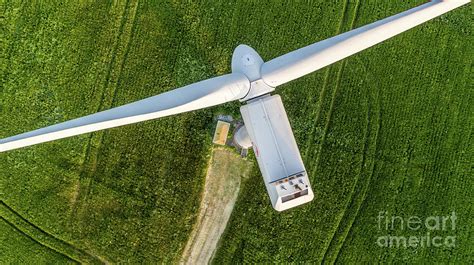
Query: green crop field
<point>388,130</point>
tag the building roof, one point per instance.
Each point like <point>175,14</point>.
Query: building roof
<point>220,135</point>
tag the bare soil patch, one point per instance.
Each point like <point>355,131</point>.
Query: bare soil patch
<point>222,186</point>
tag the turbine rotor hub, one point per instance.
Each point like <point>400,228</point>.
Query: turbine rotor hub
<point>247,61</point>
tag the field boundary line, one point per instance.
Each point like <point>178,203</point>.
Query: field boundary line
<point>29,229</point>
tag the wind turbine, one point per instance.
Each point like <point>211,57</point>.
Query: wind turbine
<point>251,81</point>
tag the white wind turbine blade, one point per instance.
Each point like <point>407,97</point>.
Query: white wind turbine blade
<point>308,59</point>
<point>199,95</point>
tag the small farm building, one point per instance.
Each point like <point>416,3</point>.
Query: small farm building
<point>220,135</point>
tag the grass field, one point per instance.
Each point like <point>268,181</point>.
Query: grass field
<point>390,129</point>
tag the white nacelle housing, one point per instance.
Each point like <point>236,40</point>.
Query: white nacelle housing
<point>277,153</point>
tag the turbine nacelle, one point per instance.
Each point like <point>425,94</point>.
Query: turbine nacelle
<point>268,131</point>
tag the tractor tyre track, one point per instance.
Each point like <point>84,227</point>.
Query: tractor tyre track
<point>377,99</point>
<point>29,229</point>
<point>125,35</point>
<point>339,228</point>
<point>13,226</point>
<point>323,92</point>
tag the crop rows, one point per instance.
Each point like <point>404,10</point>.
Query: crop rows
<point>395,140</point>
<point>389,129</point>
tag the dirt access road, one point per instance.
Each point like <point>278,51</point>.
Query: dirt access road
<point>222,186</point>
